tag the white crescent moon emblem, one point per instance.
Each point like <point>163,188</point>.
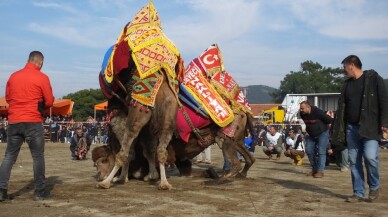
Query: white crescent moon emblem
<point>206,61</point>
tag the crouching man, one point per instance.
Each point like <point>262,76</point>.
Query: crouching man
<point>80,145</point>
<point>273,143</point>
<point>294,146</point>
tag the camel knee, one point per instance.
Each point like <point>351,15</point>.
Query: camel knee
<point>162,154</point>
<point>121,159</point>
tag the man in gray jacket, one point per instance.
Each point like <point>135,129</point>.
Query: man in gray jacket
<point>361,118</point>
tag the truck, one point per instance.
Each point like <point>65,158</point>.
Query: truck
<point>275,114</point>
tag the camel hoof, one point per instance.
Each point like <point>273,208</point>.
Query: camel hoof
<point>151,177</point>
<point>103,185</point>
<point>165,186</point>
<point>241,175</point>
<point>120,180</point>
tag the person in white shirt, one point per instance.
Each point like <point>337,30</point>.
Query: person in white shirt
<point>294,146</point>
<point>273,143</point>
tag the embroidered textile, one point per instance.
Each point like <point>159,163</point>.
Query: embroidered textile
<point>212,61</point>
<point>230,130</point>
<point>184,128</point>
<point>228,88</point>
<point>197,84</point>
<point>145,90</point>
<point>151,49</point>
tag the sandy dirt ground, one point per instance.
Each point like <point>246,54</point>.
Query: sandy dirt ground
<point>273,188</point>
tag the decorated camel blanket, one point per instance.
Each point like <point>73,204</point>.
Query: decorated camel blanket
<point>228,88</point>
<point>183,128</point>
<point>196,83</point>
<point>212,88</point>
<point>116,59</point>
<point>151,49</point>
<point>142,42</point>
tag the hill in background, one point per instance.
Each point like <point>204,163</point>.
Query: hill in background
<point>259,94</point>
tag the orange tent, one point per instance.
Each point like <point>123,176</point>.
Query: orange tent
<point>100,106</point>
<point>60,107</point>
<point>3,106</point>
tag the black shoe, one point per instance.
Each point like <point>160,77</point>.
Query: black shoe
<point>41,195</point>
<point>354,199</point>
<point>3,195</point>
<point>374,195</point>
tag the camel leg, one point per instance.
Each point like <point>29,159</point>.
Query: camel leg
<point>106,182</point>
<point>121,159</point>
<point>165,136</point>
<point>164,185</point>
<point>231,154</point>
<point>248,158</point>
<point>123,178</point>
<point>132,129</point>
<point>149,153</point>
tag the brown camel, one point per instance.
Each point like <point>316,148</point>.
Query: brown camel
<point>179,152</point>
<point>160,122</point>
<point>185,151</point>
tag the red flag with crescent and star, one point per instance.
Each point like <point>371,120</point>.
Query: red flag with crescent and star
<point>211,60</point>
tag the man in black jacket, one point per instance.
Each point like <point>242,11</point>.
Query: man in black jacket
<point>362,117</point>
<point>317,138</point>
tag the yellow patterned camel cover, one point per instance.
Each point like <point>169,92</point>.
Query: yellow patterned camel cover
<point>151,49</point>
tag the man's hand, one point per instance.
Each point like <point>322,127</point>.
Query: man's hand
<point>270,148</point>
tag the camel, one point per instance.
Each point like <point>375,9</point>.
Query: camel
<point>160,124</point>
<point>185,151</point>
<point>179,152</point>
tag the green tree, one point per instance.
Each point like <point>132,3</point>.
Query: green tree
<point>312,78</point>
<point>84,101</point>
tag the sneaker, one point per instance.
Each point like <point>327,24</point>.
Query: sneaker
<point>41,195</point>
<point>3,195</point>
<point>354,199</point>
<point>344,169</point>
<point>318,175</point>
<point>374,195</point>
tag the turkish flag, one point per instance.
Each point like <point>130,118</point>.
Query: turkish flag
<point>211,58</point>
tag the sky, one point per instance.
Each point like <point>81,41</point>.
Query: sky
<point>261,40</point>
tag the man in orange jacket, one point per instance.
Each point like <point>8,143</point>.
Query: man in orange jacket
<point>28,92</point>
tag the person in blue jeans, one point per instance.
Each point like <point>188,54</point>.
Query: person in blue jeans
<point>317,138</point>
<point>28,93</point>
<point>361,120</point>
